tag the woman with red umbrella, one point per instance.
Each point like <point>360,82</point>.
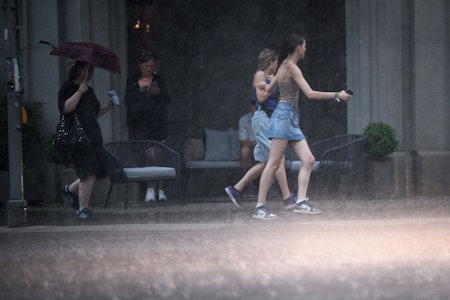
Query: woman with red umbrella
<point>77,97</point>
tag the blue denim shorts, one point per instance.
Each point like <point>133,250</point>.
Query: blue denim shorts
<point>285,123</point>
<point>260,126</point>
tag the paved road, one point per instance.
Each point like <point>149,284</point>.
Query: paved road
<point>383,249</point>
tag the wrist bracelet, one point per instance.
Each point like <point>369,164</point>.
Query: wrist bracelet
<point>336,97</point>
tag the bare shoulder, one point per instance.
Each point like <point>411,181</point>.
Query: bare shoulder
<point>259,75</point>
<point>286,70</point>
<point>294,70</point>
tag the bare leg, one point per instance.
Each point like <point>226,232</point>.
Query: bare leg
<point>246,157</point>
<point>280,175</point>
<point>73,187</point>
<point>251,174</point>
<point>257,170</point>
<point>275,157</point>
<point>85,190</point>
<point>302,150</point>
<point>152,184</point>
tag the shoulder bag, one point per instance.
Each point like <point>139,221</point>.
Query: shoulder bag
<point>67,140</point>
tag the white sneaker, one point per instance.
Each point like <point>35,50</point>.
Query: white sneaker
<point>150,196</point>
<point>162,196</point>
<point>305,208</point>
<point>263,213</point>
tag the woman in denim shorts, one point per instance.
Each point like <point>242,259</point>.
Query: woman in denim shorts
<point>265,105</point>
<point>284,125</point>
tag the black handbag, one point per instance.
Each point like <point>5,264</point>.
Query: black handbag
<point>78,139</point>
<point>67,140</point>
<point>61,136</point>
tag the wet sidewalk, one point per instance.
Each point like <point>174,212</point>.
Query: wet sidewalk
<point>221,210</point>
<point>356,249</point>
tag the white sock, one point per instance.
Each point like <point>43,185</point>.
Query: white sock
<point>259,204</point>
<point>300,200</point>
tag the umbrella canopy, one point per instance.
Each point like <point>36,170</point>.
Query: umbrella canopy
<point>94,54</point>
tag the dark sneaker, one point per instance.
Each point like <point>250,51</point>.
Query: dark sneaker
<point>305,208</point>
<point>234,195</point>
<point>86,215</point>
<point>72,197</point>
<point>289,203</point>
<point>263,213</point>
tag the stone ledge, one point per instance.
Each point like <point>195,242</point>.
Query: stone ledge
<point>403,174</point>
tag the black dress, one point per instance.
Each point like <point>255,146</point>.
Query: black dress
<point>94,160</point>
<point>147,115</point>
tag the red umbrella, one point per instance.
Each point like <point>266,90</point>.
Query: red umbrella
<point>94,54</point>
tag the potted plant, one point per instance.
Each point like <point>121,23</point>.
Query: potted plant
<point>381,139</point>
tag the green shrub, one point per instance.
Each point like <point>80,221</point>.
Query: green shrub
<point>381,139</point>
<point>32,148</point>
<point>31,138</point>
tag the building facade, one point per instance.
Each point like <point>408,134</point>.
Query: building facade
<point>395,57</point>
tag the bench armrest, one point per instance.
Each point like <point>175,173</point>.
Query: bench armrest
<point>343,158</point>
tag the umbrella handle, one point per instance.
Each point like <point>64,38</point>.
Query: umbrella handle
<point>47,43</point>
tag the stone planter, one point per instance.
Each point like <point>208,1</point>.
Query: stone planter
<point>379,178</point>
<point>389,177</point>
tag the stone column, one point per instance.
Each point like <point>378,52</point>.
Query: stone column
<point>375,63</point>
<point>431,75</point>
<point>398,65</point>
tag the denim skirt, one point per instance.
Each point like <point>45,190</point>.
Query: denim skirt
<point>284,123</point>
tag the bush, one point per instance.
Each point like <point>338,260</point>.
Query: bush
<point>32,149</point>
<point>381,139</point>
<point>31,138</point>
